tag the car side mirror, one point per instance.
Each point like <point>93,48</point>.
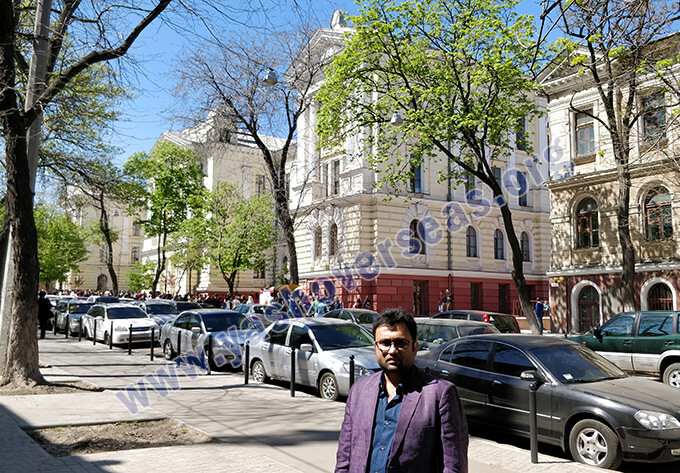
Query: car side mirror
<point>597,331</point>
<point>196,329</point>
<point>307,347</point>
<point>532,375</point>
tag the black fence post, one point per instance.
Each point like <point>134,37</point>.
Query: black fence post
<point>153,341</point>
<point>111,337</point>
<point>292,372</point>
<point>246,361</point>
<point>130,340</point>
<point>66,328</point>
<point>80,328</point>
<point>351,370</point>
<point>179,344</point>
<point>54,326</point>
<point>94,335</point>
<point>208,355</point>
<point>533,427</point>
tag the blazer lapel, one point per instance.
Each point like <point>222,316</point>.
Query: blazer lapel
<point>365,415</point>
<point>408,408</point>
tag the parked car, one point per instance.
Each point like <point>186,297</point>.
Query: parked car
<point>190,331</point>
<point>434,332</point>
<point>640,342</point>
<point>97,299</point>
<point>267,314</point>
<point>323,347</point>
<point>73,310</point>
<point>506,323</point>
<point>585,404</point>
<point>186,305</point>
<point>114,320</point>
<point>363,317</point>
<point>160,310</point>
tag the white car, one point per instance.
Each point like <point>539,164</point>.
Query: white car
<point>116,321</point>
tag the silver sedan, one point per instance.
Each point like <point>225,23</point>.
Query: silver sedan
<point>322,353</point>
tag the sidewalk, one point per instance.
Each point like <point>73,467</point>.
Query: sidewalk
<point>260,428</point>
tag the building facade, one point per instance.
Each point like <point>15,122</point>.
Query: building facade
<point>401,251</point>
<point>586,264</point>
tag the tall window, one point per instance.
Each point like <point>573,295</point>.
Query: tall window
<point>587,224</point>
<point>497,174</point>
<point>588,308</point>
<point>416,180</point>
<point>134,255</point>
<point>470,186</point>
<point>475,296</point>
<point>660,297</point>
<point>260,185</point>
<point>520,134</point>
<point>654,117</point>
<point>471,242</point>
<point>585,135</point>
<point>324,179</point>
<point>498,245</point>
<point>658,215</point>
<point>524,245</point>
<point>333,240</point>
<point>317,242</point>
<point>417,244</point>
<point>136,229</point>
<point>523,199</point>
<point>335,189</point>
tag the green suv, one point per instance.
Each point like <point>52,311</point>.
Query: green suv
<point>640,342</point>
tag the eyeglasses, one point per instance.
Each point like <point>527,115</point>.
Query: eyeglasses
<point>399,344</point>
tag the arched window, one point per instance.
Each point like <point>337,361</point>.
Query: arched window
<point>588,308</point>
<point>498,245</point>
<point>658,215</point>
<point>416,242</point>
<point>660,297</point>
<point>333,240</point>
<point>587,224</point>
<point>471,242</point>
<point>524,245</point>
<point>317,242</point>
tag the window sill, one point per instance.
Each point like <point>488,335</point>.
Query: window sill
<point>586,159</point>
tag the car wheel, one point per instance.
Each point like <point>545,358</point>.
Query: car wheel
<point>168,352</point>
<point>328,387</point>
<point>258,372</point>
<point>671,375</point>
<point>593,443</point>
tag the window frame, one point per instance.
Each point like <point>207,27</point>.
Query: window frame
<point>498,245</point>
<point>590,217</point>
<point>589,140</point>
<point>471,242</point>
<point>525,246</point>
<point>658,221</point>
<point>655,112</point>
<point>333,239</point>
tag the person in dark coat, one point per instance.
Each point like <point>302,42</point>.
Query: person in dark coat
<point>367,303</point>
<point>44,313</point>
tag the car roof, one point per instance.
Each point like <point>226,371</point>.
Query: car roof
<point>452,322</point>
<point>316,321</point>
<point>116,305</point>
<point>203,311</point>
<point>522,340</point>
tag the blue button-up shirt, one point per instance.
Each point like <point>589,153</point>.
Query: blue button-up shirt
<point>384,427</point>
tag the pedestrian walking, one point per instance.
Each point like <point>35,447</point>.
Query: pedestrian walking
<point>401,419</point>
<point>44,313</point>
<point>539,310</point>
<point>357,303</point>
<point>441,301</point>
<point>448,299</point>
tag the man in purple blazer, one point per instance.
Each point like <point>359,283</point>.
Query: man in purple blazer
<point>401,419</point>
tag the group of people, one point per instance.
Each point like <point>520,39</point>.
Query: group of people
<point>445,300</point>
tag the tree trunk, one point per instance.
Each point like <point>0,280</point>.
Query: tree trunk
<point>518,271</point>
<point>288,228</point>
<point>21,367</point>
<point>106,231</point>
<point>623,229</point>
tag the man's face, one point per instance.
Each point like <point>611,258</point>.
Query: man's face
<point>395,359</point>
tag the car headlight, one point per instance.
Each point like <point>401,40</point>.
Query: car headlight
<point>358,370</point>
<point>657,420</point>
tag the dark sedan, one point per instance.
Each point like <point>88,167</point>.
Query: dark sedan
<point>585,403</point>
<point>363,317</point>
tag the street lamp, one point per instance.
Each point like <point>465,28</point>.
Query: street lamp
<point>396,119</point>
<point>271,78</point>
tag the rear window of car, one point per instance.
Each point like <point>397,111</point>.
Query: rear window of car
<point>506,324</point>
<point>657,325</point>
<point>79,308</point>
<point>161,309</point>
<point>126,313</point>
<point>472,354</point>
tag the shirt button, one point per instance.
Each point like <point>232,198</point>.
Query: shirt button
<point>382,448</point>
<point>387,422</point>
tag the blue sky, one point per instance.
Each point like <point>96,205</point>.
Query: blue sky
<point>157,51</point>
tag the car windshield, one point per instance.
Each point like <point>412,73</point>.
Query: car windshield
<point>576,364</point>
<point>126,313</point>
<point>161,309</point>
<point>79,308</point>
<point>333,337</point>
<point>222,322</point>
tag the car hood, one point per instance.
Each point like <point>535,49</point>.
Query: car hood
<point>134,322</point>
<point>364,356</point>
<point>638,393</point>
<point>240,336</point>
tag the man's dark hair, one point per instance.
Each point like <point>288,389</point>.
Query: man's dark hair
<point>394,317</point>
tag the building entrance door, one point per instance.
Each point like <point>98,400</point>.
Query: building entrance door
<point>420,298</point>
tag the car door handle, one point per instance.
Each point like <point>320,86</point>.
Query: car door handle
<point>497,383</point>
<point>288,351</point>
<point>627,343</point>
<point>668,343</point>
<point>445,372</point>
